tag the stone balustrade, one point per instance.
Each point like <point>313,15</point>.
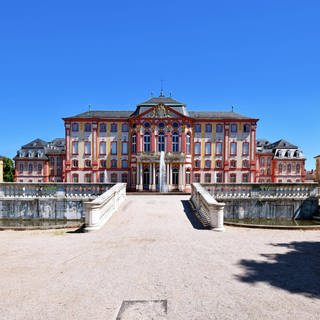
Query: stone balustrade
<point>52,190</point>
<point>98,211</point>
<point>262,191</point>
<point>208,210</point>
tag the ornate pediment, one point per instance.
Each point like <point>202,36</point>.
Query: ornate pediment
<point>160,111</point>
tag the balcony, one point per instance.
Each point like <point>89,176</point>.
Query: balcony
<point>155,156</point>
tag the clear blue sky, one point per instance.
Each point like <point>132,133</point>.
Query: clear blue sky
<point>262,56</point>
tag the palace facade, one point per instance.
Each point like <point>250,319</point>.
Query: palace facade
<point>125,146</point>
<point>279,161</point>
<point>40,161</point>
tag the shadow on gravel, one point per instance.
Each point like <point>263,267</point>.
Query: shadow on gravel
<point>297,271</point>
<point>190,215</point>
<point>81,229</point>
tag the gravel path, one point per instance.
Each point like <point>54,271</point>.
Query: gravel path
<point>153,249</point>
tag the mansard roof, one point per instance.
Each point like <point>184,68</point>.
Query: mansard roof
<point>167,101</point>
<point>104,114</point>
<point>281,144</point>
<point>36,144</point>
<point>216,115</point>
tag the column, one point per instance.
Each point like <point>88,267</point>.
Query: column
<point>154,177</point>
<point>180,177</point>
<point>150,176</point>
<point>168,174</point>
<point>141,177</point>
<point>137,175</point>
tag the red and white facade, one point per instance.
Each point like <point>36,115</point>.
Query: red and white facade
<point>122,146</point>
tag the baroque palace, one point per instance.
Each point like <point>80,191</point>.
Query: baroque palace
<point>125,146</point>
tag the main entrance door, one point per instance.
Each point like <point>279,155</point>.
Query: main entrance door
<point>146,179</point>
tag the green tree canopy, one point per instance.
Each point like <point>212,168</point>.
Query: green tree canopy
<point>8,170</point>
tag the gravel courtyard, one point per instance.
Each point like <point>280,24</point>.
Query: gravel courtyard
<point>154,249</point>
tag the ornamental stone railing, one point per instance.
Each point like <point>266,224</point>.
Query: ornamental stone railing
<point>262,191</point>
<point>155,156</point>
<point>52,190</point>
<point>207,209</point>
<point>99,211</point>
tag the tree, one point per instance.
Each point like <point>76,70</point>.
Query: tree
<point>8,170</point>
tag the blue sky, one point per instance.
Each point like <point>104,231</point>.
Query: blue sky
<point>262,57</point>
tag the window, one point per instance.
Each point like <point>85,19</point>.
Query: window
<point>233,178</point>
<point>218,164</point>
<point>188,143</point>
<point>161,125</point>
<point>114,177</point>
<point>289,168</point>
<point>197,163</point>
<point>268,162</point>
<point>219,177</point>
<point>197,177</point>
<point>188,176</point>
<point>87,127</point>
<point>75,178</point>
<point>175,176</point>
<point>245,177</point>
<point>245,164</point>
<point>262,162</point>
<point>208,148</point>
<point>245,149</point>
<point>219,128</point>
<point>39,168</point>
<point>125,127</point>
<point>233,164</point>
<point>87,147</point>
<point>146,142</point>
<point>218,148</point>
<point>103,148</point>
<point>75,127</point>
<point>30,168</point>
<point>197,148</point>
<point>75,163</point>
<point>246,128</point>
<point>268,172</point>
<point>147,125</point>
<point>103,163</point>
<point>161,142</point>
<point>114,147</point>
<point>234,128</point>
<point>21,167</point>
<point>114,127</point>
<point>124,147</point>
<point>124,178</point>
<point>280,168</point>
<point>87,163</point>
<point>298,167</point>
<point>175,125</point>
<point>124,163</point>
<point>208,127</point>
<point>134,144</point>
<point>233,148</point>
<point>175,142</point>
<point>103,127</point>
<point>59,161</point>
<point>101,177</point>
<point>197,128</point>
<point>75,147</point>
<point>207,164</point>
<point>207,178</point>
<point>51,161</point>
<point>87,177</point>
<point>113,163</point>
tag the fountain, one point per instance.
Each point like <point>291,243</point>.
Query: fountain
<point>105,177</point>
<point>163,187</point>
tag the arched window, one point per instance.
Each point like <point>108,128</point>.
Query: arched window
<point>113,177</point>
<point>146,140</point>
<point>289,168</point>
<point>207,164</point>
<point>175,142</point>
<point>102,149</point>
<point>75,177</point>
<point>197,163</point>
<point>39,168</point>
<point>245,164</point>
<point>113,163</point>
<point>197,177</point>
<point>188,143</point>
<point>134,143</point>
<point>175,176</point>
<point>161,142</point>
<point>233,164</point>
<point>233,178</point>
<point>298,168</point>
<point>30,168</point>
<point>207,178</point>
<point>218,164</point>
<point>280,168</point>
<point>219,177</point>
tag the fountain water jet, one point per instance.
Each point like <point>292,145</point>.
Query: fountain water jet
<point>163,187</point>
